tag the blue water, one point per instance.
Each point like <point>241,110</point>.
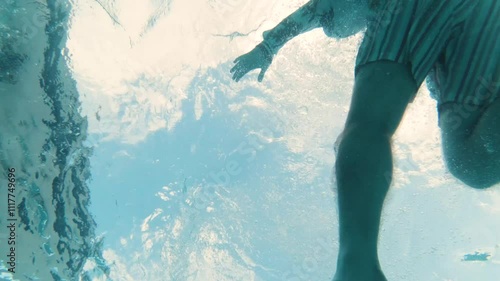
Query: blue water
<point>42,140</point>
<point>137,157</point>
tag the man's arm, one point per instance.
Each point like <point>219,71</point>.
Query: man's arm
<point>315,13</point>
<point>310,16</point>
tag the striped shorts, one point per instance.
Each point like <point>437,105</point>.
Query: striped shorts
<point>454,43</point>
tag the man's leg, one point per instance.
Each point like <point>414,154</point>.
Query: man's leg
<point>471,143</point>
<point>471,134</point>
<point>381,93</point>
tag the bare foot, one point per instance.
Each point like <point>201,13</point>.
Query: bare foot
<point>354,269</point>
<point>360,275</point>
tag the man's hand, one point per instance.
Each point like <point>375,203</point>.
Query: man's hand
<point>259,57</point>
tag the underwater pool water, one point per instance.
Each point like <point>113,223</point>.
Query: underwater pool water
<point>136,156</point>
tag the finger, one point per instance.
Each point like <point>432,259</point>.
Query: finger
<point>239,74</point>
<point>242,72</point>
<point>262,73</point>
<point>237,59</point>
<point>237,77</point>
<point>237,67</point>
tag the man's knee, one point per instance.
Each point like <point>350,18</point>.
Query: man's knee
<point>475,176</point>
<point>466,155</point>
<point>361,140</point>
<point>364,131</point>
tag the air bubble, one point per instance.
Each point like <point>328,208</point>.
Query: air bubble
<point>303,110</point>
